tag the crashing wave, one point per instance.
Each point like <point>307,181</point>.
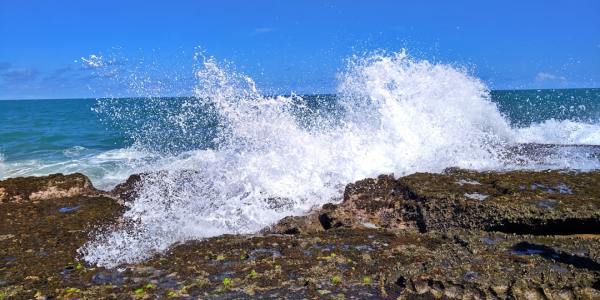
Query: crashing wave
<point>272,157</point>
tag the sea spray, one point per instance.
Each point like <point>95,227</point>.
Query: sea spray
<point>2,168</point>
<point>564,132</point>
<point>422,116</point>
<point>265,160</point>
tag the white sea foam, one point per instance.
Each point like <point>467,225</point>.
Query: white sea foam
<point>399,116</point>
<point>2,167</point>
<point>75,151</point>
<point>105,169</point>
<point>563,132</point>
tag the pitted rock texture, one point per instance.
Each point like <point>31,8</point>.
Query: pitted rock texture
<point>553,202</point>
<point>24,189</point>
<point>416,237</point>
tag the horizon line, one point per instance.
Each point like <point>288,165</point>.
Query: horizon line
<point>285,95</point>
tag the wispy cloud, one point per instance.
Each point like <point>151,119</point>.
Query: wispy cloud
<point>22,82</point>
<point>18,74</point>
<point>4,66</point>
<point>544,77</point>
<point>59,77</point>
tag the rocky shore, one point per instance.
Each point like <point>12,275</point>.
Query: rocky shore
<point>459,234</point>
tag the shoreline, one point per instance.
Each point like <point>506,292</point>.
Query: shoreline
<point>514,234</point>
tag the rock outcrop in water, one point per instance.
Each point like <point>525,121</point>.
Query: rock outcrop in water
<point>33,189</point>
<point>460,234</point>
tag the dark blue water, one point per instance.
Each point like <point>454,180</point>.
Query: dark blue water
<point>524,107</point>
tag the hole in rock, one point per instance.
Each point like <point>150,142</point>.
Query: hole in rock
<point>527,248</point>
<point>551,227</point>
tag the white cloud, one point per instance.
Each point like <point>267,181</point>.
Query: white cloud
<point>544,76</point>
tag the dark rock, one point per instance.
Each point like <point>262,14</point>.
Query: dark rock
<point>488,201</point>
<point>416,237</point>
<point>527,248</point>
<point>23,189</point>
<point>262,252</point>
<point>367,203</point>
<point>127,191</point>
<point>41,240</point>
<point>547,203</point>
<point>102,278</point>
<point>442,203</point>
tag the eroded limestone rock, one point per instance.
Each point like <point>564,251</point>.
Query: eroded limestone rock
<point>553,202</point>
<point>416,237</point>
<point>23,189</point>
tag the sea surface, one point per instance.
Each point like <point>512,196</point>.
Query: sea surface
<point>40,137</point>
<point>231,160</point>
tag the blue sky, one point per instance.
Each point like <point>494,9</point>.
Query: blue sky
<point>290,45</point>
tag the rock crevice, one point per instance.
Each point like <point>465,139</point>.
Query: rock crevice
<point>511,202</point>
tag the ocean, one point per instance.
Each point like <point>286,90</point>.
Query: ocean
<point>40,137</point>
<point>231,160</point>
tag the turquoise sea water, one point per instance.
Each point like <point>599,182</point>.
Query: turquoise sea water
<point>524,107</point>
<point>53,130</point>
<point>68,135</point>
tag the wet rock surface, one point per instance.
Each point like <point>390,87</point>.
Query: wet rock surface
<point>127,191</point>
<point>545,203</point>
<point>534,236</point>
<point>33,189</point>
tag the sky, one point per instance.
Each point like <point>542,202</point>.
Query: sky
<point>48,48</point>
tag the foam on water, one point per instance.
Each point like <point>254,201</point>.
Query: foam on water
<point>565,132</point>
<point>105,169</point>
<point>2,167</point>
<point>397,115</point>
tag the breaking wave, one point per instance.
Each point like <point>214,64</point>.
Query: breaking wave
<point>271,157</point>
<point>563,132</point>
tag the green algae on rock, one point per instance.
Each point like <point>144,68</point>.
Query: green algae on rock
<point>419,236</point>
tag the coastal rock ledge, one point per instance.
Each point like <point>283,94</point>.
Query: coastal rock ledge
<point>455,235</point>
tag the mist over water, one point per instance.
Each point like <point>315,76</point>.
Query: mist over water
<point>232,160</point>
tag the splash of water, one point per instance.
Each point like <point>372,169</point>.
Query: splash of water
<point>265,161</point>
<point>565,132</point>
<point>2,167</point>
